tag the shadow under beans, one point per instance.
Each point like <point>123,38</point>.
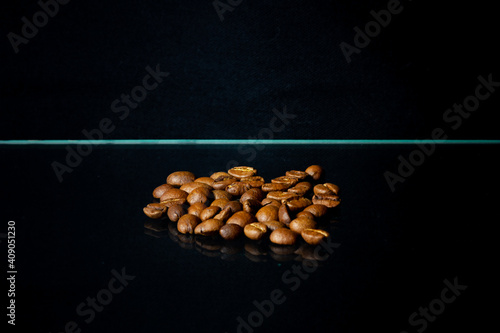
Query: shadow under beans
<point>241,248</point>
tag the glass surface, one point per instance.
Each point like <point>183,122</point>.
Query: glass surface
<point>391,251</point>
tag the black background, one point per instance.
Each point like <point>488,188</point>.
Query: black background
<point>226,76</point>
<point>225,79</point>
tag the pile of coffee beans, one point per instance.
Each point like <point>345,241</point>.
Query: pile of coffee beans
<point>240,203</point>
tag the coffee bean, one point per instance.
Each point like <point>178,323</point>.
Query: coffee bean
<point>237,188</point>
<point>283,236</point>
<point>251,206</point>
<point>209,227</point>
<point>267,213</point>
<point>187,223</point>
<point>205,180</point>
<point>224,214</point>
<point>273,225</point>
<point>196,208</point>
<point>173,193</point>
<point>290,181</point>
<point>305,214</point>
<point>254,181</point>
<point>255,231</point>
<point>175,212</point>
<point>189,187</point>
<point>218,176</point>
<point>221,194</point>
<point>315,171</point>
<point>271,187</point>
<point>230,231</point>
<point>241,218</point>
<point>158,192</point>
<point>317,210</point>
<point>242,172</point>
<point>329,200</point>
<point>301,188</point>
<point>326,189</point>
<point>296,174</point>
<point>180,178</point>
<point>284,214</point>
<point>199,194</point>
<point>154,212</point>
<point>220,203</point>
<point>279,195</point>
<point>234,206</point>
<point>222,184</point>
<point>209,212</point>
<point>171,202</point>
<point>314,236</point>
<point>302,223</point>
<point>296,205</point>
<point>268,201</point>
<point>253,193</point>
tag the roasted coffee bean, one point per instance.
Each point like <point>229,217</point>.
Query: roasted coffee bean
<point>205,180</point>
<point>175,212</point>
<point>329,201</point>
<point>220,203</point>
<point>296,174</point>
<point>273,225</point>
<point>241,218</point>
<point>280,196</point>
<point>251,206</point>
<point>187,223</point>
<point>237,188</point>
<point>221,175</point>
<point>189,187</point>
<point>305,214</point>
<point>171,202</point>
<point>234,206</point>
<point>224,214</point>
<point>302,223</point>
<point>196,208</point>
<point>296,205</point>
<point>154,212</point>
<point>317,210</point>
<point>242,172</point>
<point>290,181</point>
<point>180,178</point>
<point>173,193</point>
<point>222,184</point>
<point>199,194</point>
<point>301,188</point>
<point>284,214</point>
<point>254,181</point>
<point>267,201</point>
<point>158,192</point>
<point>230,231</point>
<point>209,227</point>
<point>326,189</point>
<point>267,213</point>
<point>270,187</point>
<point>315,171</point>
<point>255,231</point>
<point>283,236</point>
<point>221,194</point>
<point>314,236</point>
<point>253,193</point>
<point>209,212</point>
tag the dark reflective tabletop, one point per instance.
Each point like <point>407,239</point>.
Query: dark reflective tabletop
<point>414,256</point>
